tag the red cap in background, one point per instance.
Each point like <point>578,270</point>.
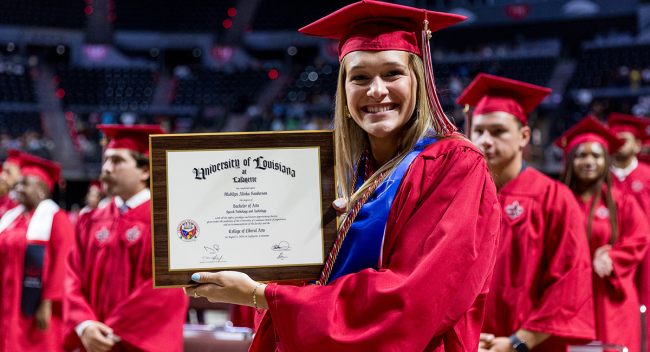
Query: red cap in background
<point>629,123</point>
<point>135,138</point>
<point>47,171</point>
<point>488,93</point>
<point>589,129</point>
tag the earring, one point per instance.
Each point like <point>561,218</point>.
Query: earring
<point>347,113</point>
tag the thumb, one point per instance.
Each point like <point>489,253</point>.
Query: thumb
<point>340,204</point>
<point>105,330</point>
<point>205,277</point>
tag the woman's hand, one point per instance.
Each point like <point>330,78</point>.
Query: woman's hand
<point>341,206</point>
<point>43,315</point>
<point>228,287</point>
<point>602,263</point>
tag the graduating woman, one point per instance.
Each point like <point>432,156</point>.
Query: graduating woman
<point>35,238</point>
<point>412,263</point>
<point>617,230</point>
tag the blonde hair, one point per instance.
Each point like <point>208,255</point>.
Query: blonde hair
<point>352,140</point>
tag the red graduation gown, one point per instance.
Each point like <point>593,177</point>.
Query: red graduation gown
<point>18,333</point>
<point>109,279</point>
<point>542,276</point>
<point>644,159</point>
<point>615,297</point>
<point>6,204</point>
<point>637,183</point>
<point>435,270</point>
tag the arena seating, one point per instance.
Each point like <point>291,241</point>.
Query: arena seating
<point>126,88</point>
<point>273,14</point>
<point>176,16</point>
<point>15,124</point>
<point>15,83</point>
<point>43,13</point>
<point>236,89</point>
<point>612,66</point>
<point>307,81</point>
<point>531,70</point>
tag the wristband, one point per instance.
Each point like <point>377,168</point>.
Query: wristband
<point>518,345</point>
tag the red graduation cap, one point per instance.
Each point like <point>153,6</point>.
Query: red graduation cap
<point>135,138</point>
<point>490,93</point>
<point>589,129</point>
<point>377,26</point>
<point>47,171</point>
<point>628,123</point>
<point>14,157</point>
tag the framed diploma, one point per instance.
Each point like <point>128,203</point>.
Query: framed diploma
<point>259,203</point>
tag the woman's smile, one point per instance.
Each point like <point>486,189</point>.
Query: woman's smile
<point>379,108</point>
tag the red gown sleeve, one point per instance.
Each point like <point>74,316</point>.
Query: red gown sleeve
<point>565,287</point>
<point>151,319</point>
<point>61,239</point>
<point>439,252</point>
<point>632,244</point>
<point>75,307</point>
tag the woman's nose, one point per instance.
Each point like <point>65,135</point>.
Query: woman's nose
<point>377,88</point>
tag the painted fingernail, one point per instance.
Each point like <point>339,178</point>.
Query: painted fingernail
<point>337,203</point>
<point>196,277</point>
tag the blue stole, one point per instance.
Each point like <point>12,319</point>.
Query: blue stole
<point>362,245</point>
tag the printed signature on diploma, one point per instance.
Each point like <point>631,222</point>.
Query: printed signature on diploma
<point>282,246</point>
<point>213,255</point>
<point>281,256</point>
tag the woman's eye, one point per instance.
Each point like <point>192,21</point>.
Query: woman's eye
<point>358,78</point>
<point>395,73</point>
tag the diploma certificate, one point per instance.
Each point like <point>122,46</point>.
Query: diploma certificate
<point>244,208</point>
<point>258,203</point>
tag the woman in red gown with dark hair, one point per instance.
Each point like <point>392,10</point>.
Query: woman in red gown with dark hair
<point>617,230</point>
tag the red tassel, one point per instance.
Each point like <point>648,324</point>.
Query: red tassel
<point>434,103</point>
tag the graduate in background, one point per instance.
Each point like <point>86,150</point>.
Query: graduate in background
<point>8,178</point>
<point>35,238</point>
<point>633,177</point>
<point>94,197</point>
<point>541,289</point>
<point>644,154</point>
<point>110,302</point>
<point>417,247</point>
<point>617,230</point>
<point>630,175</point>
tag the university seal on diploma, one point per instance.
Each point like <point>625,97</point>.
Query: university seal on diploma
<point>259,203</point>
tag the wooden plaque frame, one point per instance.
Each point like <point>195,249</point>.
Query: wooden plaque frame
<point>163,277</point>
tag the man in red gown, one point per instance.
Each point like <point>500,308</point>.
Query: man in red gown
<point>633,177</point>
<point>110,302</point>
<point>8,178</point>
<point>540,297</point>
<point>35,238</point>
